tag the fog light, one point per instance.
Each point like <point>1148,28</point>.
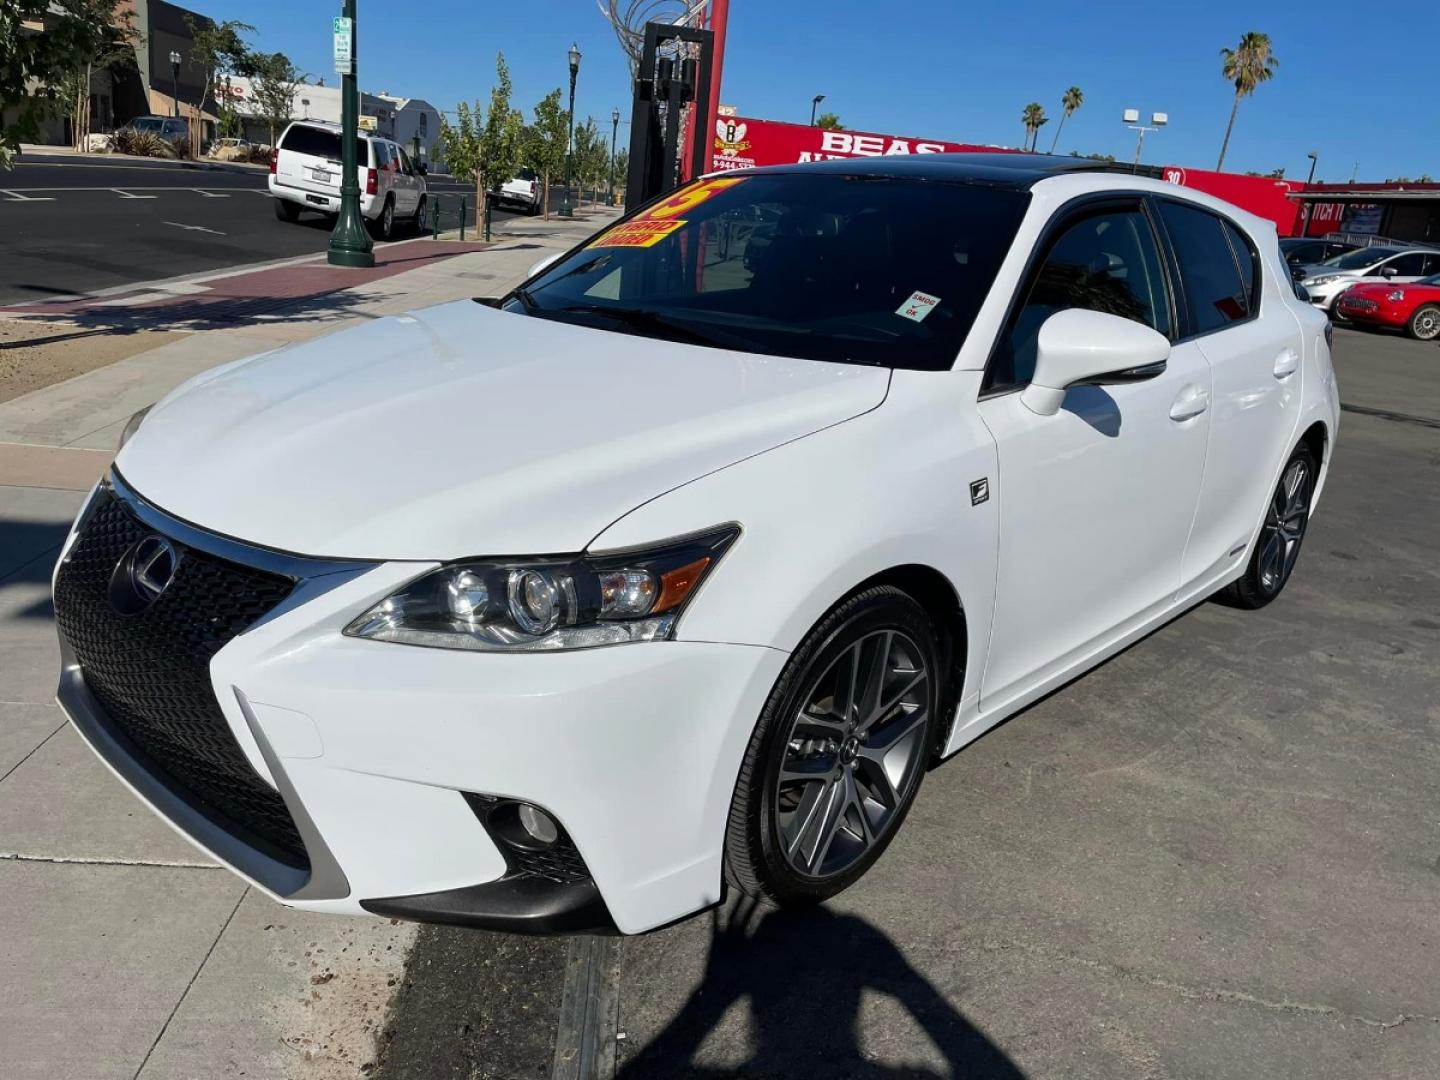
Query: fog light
<point>540,826</point>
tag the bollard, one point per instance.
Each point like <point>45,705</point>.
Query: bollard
<point>435,219</point>
<point>489,204</point>
<point>462,217</point>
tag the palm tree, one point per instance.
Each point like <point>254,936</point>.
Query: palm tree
<point>1033,117</point>
<point>1072,100</point>
<point>1247,65</point>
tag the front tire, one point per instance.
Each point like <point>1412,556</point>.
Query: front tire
<point>838,753</point>
<point>1424,324</point>
<point>1277,549</point>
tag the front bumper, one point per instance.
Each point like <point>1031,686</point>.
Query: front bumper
<point>375,747</point>
<point>1324,296</point>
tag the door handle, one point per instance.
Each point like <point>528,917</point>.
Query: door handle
<point>1190,402</point>
<point>1287,363</point>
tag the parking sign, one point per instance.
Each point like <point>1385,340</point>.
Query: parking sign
<point>344,32</point>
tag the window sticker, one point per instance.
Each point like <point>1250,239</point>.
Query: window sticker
<point>650,227</point>
<point>918,306</point>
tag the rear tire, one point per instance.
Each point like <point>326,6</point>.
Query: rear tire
<point>383,227</point>
<point>286,210</point>
<point>1277,548</point>
<point>419,223</point>
<point>838,753</point>
<point>1424,324</point>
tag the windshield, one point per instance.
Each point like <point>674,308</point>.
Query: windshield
<point>854,269</point>
<point>1433,279</point>
<point>1358,260</point>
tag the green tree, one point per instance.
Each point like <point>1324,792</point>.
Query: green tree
<point>115,50</point>
<point>829,120</point>
<point>1071,100</point>
<point>622,170</point>
<point>485,145</point>
<point>543,146</point>
<point>275,80</point>
<point>1033,118</point>
<point>43,44</point>
<point>1093,157</point>
<point>220,50</point>
<point>1247,66</point>
<point>498,139</point>
<point>592,156</point>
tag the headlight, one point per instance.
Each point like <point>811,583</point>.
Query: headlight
<point>549,604</point>
<point>132,426</point>
<point>1396,296</point>
<point>1325,279</point>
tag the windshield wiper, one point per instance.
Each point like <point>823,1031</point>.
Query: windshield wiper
<point>648,322</point>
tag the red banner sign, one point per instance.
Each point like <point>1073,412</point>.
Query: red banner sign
<point>742,143</point>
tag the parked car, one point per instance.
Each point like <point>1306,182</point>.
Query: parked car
<point>306,169</point>
<point>521,191</point>
<point>562,610</point>
<point>1303,251</point>
<point>1325,281</point>
<point>168,128</point>
<point>1414,308</point>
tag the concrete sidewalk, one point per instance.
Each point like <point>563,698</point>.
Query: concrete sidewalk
<point>125,952</point>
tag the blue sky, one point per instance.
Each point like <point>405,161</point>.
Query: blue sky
<point>952,70</point>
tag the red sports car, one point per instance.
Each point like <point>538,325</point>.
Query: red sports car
<point>1413,307</point>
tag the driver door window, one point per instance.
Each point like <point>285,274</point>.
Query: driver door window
<point>1105,260</point>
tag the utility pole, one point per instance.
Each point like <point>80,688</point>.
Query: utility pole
<point>349,244</point>
<point>566,209</point>
<point>174,83</point>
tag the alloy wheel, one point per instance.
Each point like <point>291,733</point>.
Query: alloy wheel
<point>1427,323</point>
<point>855,751</point>
<point>1284,528</point>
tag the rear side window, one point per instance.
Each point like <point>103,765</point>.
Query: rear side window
<point>1248,262</point>
<point>1217,296</point>
<point>1104,260</point>
<point>1412,265</point>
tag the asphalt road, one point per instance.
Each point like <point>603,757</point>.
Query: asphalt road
<point>1216,856</point>
<point>80,225</point>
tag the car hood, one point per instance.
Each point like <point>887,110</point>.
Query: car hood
<point>1314,270</point>
<point>462,430</point>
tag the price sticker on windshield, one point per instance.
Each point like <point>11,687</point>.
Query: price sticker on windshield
<point>649,227</point>
<point>918,306</point>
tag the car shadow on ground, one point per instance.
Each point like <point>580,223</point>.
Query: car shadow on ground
<point>801,976</point>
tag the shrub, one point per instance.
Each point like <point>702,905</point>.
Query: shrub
<point>178,148</point>
<point>142,144</point>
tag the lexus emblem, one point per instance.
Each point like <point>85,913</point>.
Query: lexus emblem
<point>142,574</point>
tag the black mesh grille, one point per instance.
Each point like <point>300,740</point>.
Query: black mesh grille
<point>151,671</point>
<point>561,863</point>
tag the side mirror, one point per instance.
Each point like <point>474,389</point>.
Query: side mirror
<point>1388,271</point>
<point>1079,347</point>
<point>543,264</point>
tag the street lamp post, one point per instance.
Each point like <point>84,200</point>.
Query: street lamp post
<point>1132,121</point>
<point>1314,157</point>
<point>349,242</point>
<point>614,129</point>
<point>174,83</point>
<point>814,104</point>
<point>566,209</point>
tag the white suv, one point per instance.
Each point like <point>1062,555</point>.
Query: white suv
<point>682,563</point>
<point>305,173</point>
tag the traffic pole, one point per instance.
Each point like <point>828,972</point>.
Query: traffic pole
<point>349,243</point>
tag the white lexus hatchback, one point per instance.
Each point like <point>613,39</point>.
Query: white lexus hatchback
<point>680,565</point>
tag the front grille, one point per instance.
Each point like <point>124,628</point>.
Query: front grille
<point>1358,305</point>
<point>151,671</point>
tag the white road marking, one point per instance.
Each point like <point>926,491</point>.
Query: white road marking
<point>15,196</point>
<point>208,194</point>
<point>127,195</point>
<point>195,228</point>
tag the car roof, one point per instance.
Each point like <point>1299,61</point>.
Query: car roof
<point>1013,170</point>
